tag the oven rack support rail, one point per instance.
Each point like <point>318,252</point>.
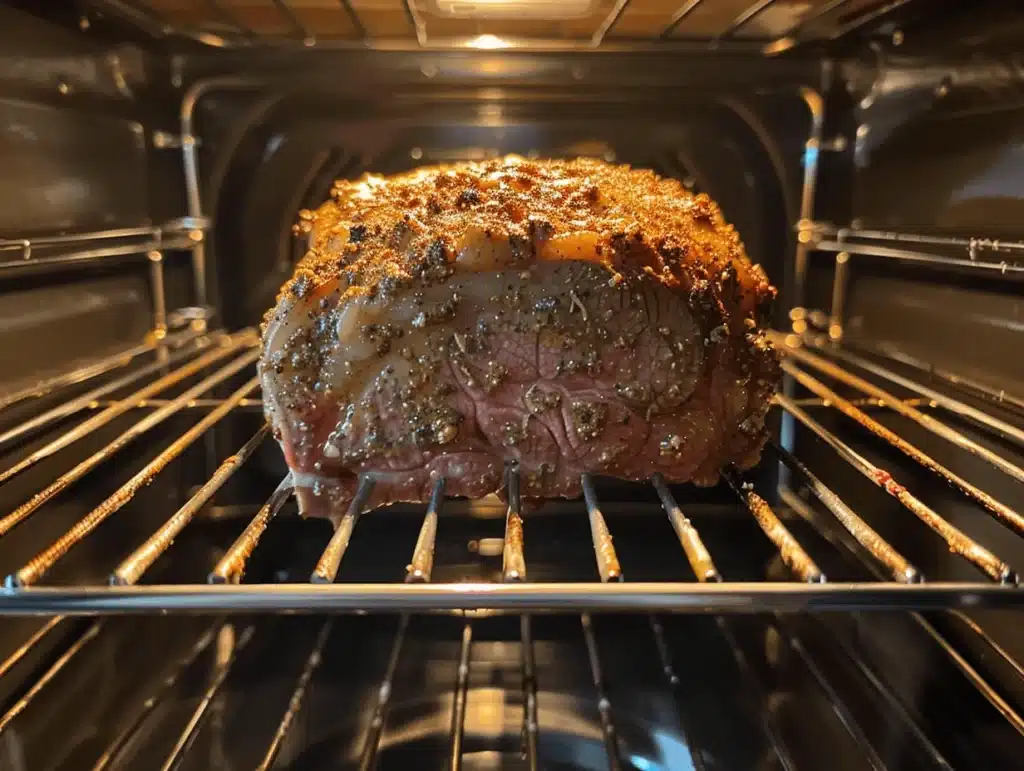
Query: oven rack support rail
<point>225,28</point>
<point>81,250</point>
<point>989,258</point>
<point>221,359</point>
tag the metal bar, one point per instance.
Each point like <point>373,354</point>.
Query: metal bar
<point>889,400</point>
<point>607,560</point>
<point>892,700</point>
<point>231,566</point>
<point>418,25</point>
<point>663,648</point>
<point>1004,269</point>
<point>608,22</point>
<point>812,150</point>
<point>531,725</point>
<point>151,703</point>
<point>1008,660</point>
<point>840,279</point>
<point>144,18</point>
<point>422,563</point>
<point>896,564</point>
<point>679,17</point>
<point>458,724</point>
<point>298,695</point>
<point>696,758</point>
<point>604,705</point>
<point>190,164</point>
<point>195,722</point>
<point>354,18</point>
<point>708,576</point>
<point>368,756</point>
<point>793,554</point>
<point>89,255</point>
<point>948,403</point>
<point>38,566</point>
<point>1002,512</point>
<point>956,540</point>
<point>838,706</point>
<point>47,386</point>
<point>156,280</point>
<point>55,668</point>
<point>748,15</point>
<point>296,23</point>
<point>573,598</point>
<point>513,561</point>
<point>972,245</point>
<point>194,344</point>
<point>120,407</point>
<point>64,481</point>
<point>863,403</point>
<point>983,687</point>
<point>132,568</point>
<point>862,21</point>
<point>77,238</point>
<point>697,554</point>
<point>327,568</point>
<point>18,654</point>
<point>761,707</point>
<point>257,404</point>
<point>840,540</point>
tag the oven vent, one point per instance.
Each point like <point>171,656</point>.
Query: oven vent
<point>548,10</point>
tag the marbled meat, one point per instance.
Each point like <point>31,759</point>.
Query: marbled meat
<point>571,316</point>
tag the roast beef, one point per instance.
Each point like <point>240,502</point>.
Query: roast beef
<point>569,316</point>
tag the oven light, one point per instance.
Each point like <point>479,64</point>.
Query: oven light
<point>488,42</point>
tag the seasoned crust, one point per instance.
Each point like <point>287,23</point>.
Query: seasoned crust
<point>379,232</point>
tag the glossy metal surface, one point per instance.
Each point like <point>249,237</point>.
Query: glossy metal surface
<point>851,690</point>
<point>563,597</point>
<point>218,27</point>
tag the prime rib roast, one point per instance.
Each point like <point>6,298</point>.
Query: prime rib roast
<point>569,316</point>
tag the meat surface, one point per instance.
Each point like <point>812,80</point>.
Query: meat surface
<point>571,316</point>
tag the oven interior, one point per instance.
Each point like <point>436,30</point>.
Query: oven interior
<point>861,612</point>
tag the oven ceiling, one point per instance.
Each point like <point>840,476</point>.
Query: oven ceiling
<point>771,25</point>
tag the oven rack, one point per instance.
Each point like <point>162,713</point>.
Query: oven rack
<point>215,357</point>
<point>402,24</point>
<point>218,358</point>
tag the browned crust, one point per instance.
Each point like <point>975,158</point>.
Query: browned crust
<point>378,232</point>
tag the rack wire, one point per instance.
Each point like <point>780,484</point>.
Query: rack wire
<point>216,358</point>
<point>663,27</point>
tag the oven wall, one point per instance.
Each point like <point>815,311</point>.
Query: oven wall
<point>79,113</point>
<point>284,124</point>
<point>933,126</point>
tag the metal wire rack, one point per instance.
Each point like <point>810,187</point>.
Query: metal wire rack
<point>216,359</point>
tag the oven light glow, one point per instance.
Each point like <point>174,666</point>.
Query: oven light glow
<point>488,42</point>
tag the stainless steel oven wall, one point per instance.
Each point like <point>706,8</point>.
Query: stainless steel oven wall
<point>79,172</point>
<point>83,190</point>
<point>283,124</point>
<point>933,126</point>
<point>918,255</point>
